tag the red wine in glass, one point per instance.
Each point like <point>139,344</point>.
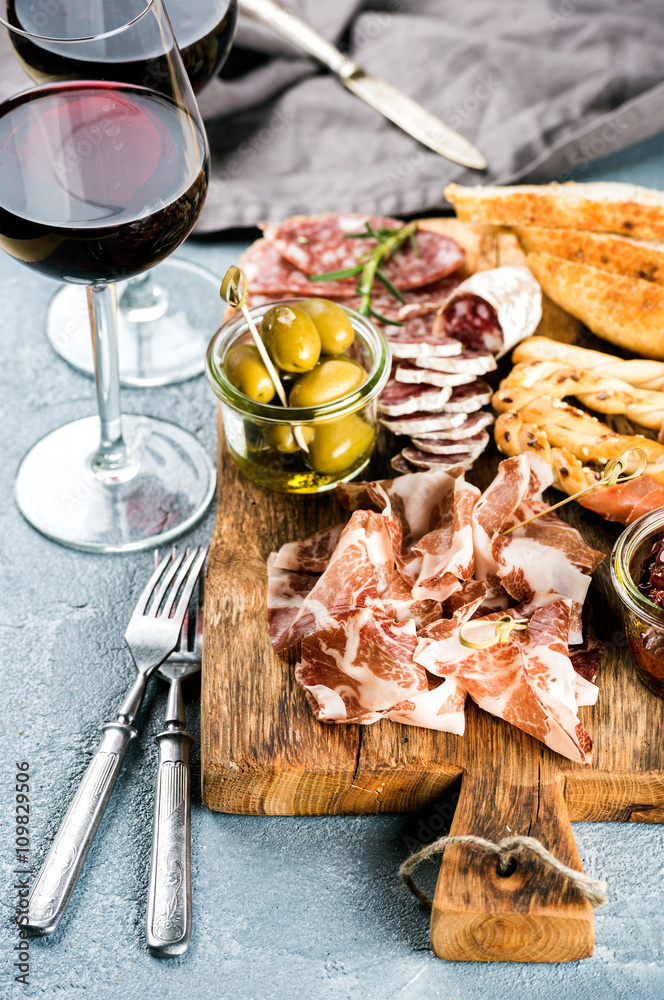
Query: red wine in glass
<point>123,186</point>
<point>204,30</point>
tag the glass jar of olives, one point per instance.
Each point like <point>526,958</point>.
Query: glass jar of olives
<point>333,365</point>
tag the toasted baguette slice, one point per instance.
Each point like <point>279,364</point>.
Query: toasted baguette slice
<point>628,312</point>
<point>631,258</point>
<point>605,206</point>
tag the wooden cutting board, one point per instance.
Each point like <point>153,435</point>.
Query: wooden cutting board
<point>264,753</point>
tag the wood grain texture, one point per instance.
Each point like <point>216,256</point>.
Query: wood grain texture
<point>264,753</point>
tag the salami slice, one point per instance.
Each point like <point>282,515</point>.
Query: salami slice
<point>409,373</point>
<point>468,398</point>
<point>427,460</point>
<point>419,423</point>
<point>469,362</point>
<point>401,464</point>
<point>398,398</point>
<point>492,310</point>
<point>269,274</point>
<point>443,445</point>
<point>428,300</point>
<point>471,426</point>
<point>416,338</point>
<point>317,244</point>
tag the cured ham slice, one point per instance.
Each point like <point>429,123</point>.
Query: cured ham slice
<point>312,555</point>
<point>420,423</point>
<point>398,398</point>
<point>523,562</point>
<point>362,666</point>
<point>411,374</point>
<point>441,708</point>
<point>529,681</point>
<point>286,591</point>
<point>628,501</point>
<point>492,310</point>
<point>470,362</point>
<point>358,572</point>
<point>474,445</point>
<point>317,244</point>
<point>399,603</point>
<point>421,556</point>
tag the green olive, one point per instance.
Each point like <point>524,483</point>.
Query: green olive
<point>338,445</point>
<point>281,437</point>
<point>334,327</point>
<point>331,379</point>
<point>291,338</point>
<point>245,371</point>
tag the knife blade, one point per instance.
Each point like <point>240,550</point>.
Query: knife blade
<point>410,116</point>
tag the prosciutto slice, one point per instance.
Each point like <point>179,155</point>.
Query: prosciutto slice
<point>311,555</point>
<point>361,666</point>
<point>528,682</point>
<point>360,569</point>
<point>379,606</point>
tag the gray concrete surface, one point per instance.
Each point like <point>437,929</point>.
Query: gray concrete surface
<point>283,908</point>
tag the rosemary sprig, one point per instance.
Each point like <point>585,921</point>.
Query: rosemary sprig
<point>368,268</point>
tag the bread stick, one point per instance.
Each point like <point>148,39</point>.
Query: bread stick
<point>607,395</point>
<point>639,372</point>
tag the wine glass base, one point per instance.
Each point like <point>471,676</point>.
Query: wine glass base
<point>161,351</point>
<point>59,495</point>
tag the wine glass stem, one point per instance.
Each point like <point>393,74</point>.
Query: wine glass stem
<point>113,460</point>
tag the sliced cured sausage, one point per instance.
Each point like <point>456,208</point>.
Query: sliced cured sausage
<point>318,244</point>
<point>398,398</point>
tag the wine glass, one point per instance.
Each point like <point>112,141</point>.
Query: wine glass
<point>164,317</point>
<point>101,178</point>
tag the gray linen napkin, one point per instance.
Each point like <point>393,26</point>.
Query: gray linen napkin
<point>540,86</point>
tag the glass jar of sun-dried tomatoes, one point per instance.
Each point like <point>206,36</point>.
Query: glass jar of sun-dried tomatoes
<point>637,571</point>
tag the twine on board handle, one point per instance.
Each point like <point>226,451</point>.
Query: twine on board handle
<point>593,889</point>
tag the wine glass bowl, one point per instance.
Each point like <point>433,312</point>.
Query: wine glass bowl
<point>100,178</point>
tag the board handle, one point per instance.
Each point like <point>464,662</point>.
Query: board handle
<point>530,914</point>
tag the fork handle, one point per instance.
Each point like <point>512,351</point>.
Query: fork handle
<point>57,877</point>
<point>168,922</point>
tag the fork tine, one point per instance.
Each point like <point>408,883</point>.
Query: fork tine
<point>200,604</point>
<point>187,578</point>
<point>173,567</point>
<point>143,600</point>
<point>183,644</point>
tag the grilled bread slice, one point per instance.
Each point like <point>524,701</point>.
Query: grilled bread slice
<point>628,312</point>
<point>643,259</point>
<point>604,206</point>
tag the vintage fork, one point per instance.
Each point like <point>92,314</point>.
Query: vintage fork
<point>152,634</point>
<point>168,916</point>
